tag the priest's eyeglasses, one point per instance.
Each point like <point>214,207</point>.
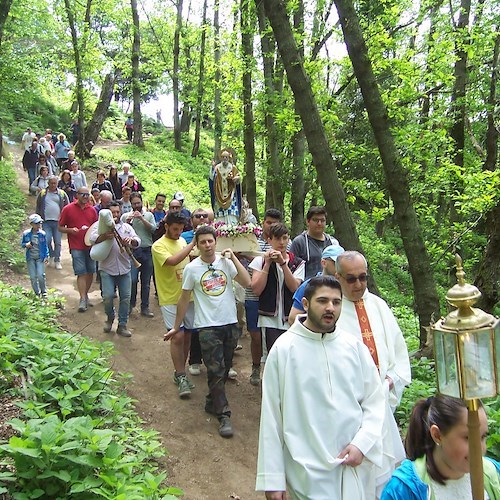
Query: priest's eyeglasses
<point>362,278</point>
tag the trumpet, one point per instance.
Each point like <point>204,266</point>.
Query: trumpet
<point>125,248</point>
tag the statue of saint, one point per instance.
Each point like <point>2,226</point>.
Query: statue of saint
<point>225,190</point>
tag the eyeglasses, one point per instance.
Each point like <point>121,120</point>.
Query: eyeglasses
<point>85,195</point>
<point>362,278</point>
<point>318,221</point>
<point>200,216</point>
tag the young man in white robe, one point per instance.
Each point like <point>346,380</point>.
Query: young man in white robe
<point>322,408</point>
<point>381,333</point>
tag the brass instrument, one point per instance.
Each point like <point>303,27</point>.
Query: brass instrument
<point>125,248</point>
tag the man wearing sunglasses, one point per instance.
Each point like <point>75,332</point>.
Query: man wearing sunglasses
<point>370,319</point>
<point>75,220</point>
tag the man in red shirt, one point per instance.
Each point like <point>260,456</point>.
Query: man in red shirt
<point>75,220</point>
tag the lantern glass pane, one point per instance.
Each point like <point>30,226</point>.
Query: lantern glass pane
<point>445,351</point>
<point>479,369</point>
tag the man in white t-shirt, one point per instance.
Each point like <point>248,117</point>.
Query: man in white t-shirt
<point>209,278</point>
<point>276,276</point>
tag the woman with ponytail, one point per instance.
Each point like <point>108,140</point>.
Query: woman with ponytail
<point>437,447</point>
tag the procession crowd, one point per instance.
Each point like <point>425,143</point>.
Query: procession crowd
<point>336,362</point>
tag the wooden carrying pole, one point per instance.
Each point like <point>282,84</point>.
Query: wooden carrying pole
<point>475,451</point>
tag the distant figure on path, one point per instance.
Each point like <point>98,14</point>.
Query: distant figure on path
<point>27,139</point>
<point>129,127</point>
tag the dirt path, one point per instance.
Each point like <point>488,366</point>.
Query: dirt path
<point>200,462</point>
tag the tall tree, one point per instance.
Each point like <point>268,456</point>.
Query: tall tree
<point>175,76</point>
<point>80,148</point>
<point>274,189</point>
<point>136,84</point>
<point>319,147</point>
<point>217,82</point>
<point>5,6</point>
<point>426,298</point>
<point>201,79</point>
<point>248,127</point>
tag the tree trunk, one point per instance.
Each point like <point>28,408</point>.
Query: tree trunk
<point>274,191</point>
<point>217,76</point>
<point>136,85</point>
<point>492,131</point>
<point>80,147</point>
<point>201,79</point>
<point>175,77</point>
<point>5,6</point>
<point>248,128</point>
<point>298,147</point>
<point>336,204</point>
<point>457,132</point>
<point>426,298</point>
<point>95,124</point>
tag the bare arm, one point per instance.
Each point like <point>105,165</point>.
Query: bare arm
<point>259,276</point>
<point>173,260</point>
<point>243,278</point>
<point>293,314</point>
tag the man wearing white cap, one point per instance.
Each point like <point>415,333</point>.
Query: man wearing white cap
<point>184,211</point>
<point>328,259</point>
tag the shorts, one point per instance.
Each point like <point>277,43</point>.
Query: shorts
<point>169,311</point>
<point>252,312</point>
<point>82,263</point>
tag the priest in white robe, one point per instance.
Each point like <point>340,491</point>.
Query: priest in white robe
<point>368,318</point>
<point>322,408</point>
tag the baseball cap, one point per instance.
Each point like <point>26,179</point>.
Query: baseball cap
<point>332,252</point>
<point>179,196</point>
<point>35,219</point>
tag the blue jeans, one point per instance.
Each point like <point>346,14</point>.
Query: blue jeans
<point>31,175</point>
<point>53,239</point>
<point>143,255</point>
<point>36,270</point>
<point>108,283</point>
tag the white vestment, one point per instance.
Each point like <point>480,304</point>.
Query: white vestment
<point>393,362</point>
<point>320,392</point>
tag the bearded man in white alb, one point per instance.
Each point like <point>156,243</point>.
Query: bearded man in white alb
<point>322,408</point>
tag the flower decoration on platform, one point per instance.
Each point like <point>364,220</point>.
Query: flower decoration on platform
<point>230,231</point>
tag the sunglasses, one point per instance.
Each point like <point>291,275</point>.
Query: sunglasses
<point>362,278</point>
<point>85,195</point>
<point>200,216</point>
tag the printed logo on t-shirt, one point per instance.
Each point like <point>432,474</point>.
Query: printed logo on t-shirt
<point>213,282</point>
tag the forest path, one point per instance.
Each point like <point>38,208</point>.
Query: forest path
<point>199,461</point>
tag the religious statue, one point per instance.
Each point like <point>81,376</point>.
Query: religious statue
<point>225,190</point>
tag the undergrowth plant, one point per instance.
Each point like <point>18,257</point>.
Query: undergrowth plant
<point>79,436</point>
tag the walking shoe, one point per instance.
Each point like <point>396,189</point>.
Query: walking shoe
<point>176,380</point>
<point>255,376</point>
<point>239,347</point>
<point>123,331</point>
<point>194,369</point>
<point>147,313</point>
<point>82,306</point>
<point>232,374</point>
<point>108,324</point>
<point>183,386</point>
<point>225,427</point>
<point>51,262</point>
<point>58,266</point>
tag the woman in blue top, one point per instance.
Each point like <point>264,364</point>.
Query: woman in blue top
<point>437,447</point>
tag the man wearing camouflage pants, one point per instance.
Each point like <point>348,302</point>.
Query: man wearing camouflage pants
<point>209,277</point>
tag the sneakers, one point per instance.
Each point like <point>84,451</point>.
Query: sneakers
<point>82,306</point>
<point>239,347</point>
<point>108,325</point>
<point>147,313</point>
<point>225,427</point>
<point>183,386</point>
<point>176,381</point>
<point>194,369</point>
<point>232,374</point>
<point>255,376</point>
<point>123,331</point>
<point>58,266</point>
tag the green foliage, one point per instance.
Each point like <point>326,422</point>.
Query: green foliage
<point>79,436</point>
<point>12,205</point>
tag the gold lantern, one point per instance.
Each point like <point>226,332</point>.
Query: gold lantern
<point>467,355</point>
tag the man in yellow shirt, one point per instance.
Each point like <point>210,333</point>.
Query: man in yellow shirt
<point>170,256</point>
